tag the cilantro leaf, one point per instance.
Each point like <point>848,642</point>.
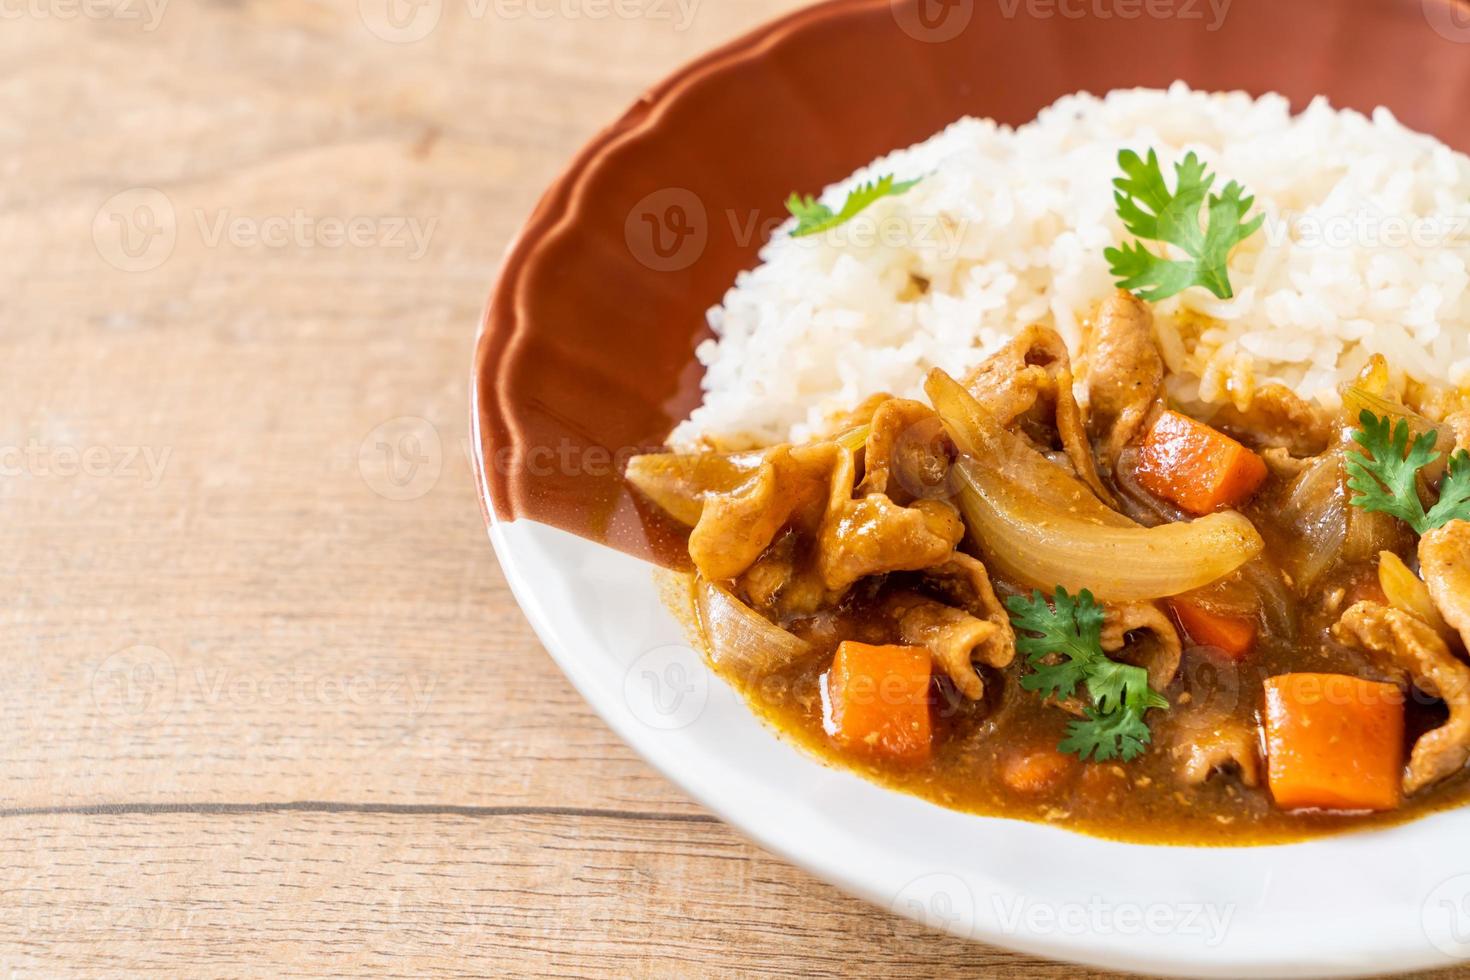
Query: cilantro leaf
<point>1073,630</point>
<point>1114,686</point>
<point>1064,625</point>
<point>1062,644</point>
<point>1151,212</point>
<point>1384,476</point>
<point>1454,493</point>
<point>813,217</point>
<point>1055,680</point>
<point>1120,735</point>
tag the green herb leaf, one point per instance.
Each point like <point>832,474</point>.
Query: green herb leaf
<point>813,217</point>
<point>1383,478</point>
<point>1121,735</point>
<point>1115,686</point>
<point>1062,644</point>
<point>1073,630</point>
<point>1454,493</point>
<point>1150,211</point>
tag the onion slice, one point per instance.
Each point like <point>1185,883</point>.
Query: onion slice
<point>978,434</point>
<point>1037,524</point>
<point>740,641</point>
<point>1407,592</point>
<point>1047,548</point>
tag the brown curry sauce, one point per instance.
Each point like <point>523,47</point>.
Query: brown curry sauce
<point>1140,801</point>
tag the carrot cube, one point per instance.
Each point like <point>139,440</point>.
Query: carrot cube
<point>1231,635</point>
<point>1036,771</point>
<point>1334,742</point>
<point>878,701</point>
<point>1200,469</point>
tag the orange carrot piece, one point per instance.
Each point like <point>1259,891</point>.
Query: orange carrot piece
<point>1233,636</point>
<point>1334,742</point>
<point>1199,468</point>
<point>1037,771</point>
<point>878,701</point>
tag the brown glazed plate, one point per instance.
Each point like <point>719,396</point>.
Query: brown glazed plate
<point>586,355</point>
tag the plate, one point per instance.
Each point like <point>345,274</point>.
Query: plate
<point>585,356</point>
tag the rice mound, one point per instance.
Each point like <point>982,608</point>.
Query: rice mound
<point>1364,251</point>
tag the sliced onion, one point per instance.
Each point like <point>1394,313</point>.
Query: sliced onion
<point>978,434</point>
<point>1043,547</point>
<point>1315,514</point>
<point>1408,593</point>
<point>740,640</point>
<point>1140,505</point>
<point>1038,524</point>
<point>854,439</point>
<point>1324,529</point>
<point>1265,581</point>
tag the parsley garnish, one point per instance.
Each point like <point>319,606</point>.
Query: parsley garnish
<point>1175,218</point>
<point>813,217</point>
<point>1122,734</point>
<point>1062,643</point>
<point>1384,478</point>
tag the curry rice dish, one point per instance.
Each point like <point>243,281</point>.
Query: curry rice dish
<point>1065,573</point>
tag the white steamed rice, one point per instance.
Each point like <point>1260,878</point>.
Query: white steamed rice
<point>1364,251</point>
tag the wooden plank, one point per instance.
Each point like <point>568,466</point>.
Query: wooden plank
<point>313,893</point>
<point>233,602</point>
<point>294,892</point>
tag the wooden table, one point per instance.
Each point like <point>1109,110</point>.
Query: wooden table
<point>270,707</point>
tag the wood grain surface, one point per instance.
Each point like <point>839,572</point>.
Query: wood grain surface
<point>270,708</point>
